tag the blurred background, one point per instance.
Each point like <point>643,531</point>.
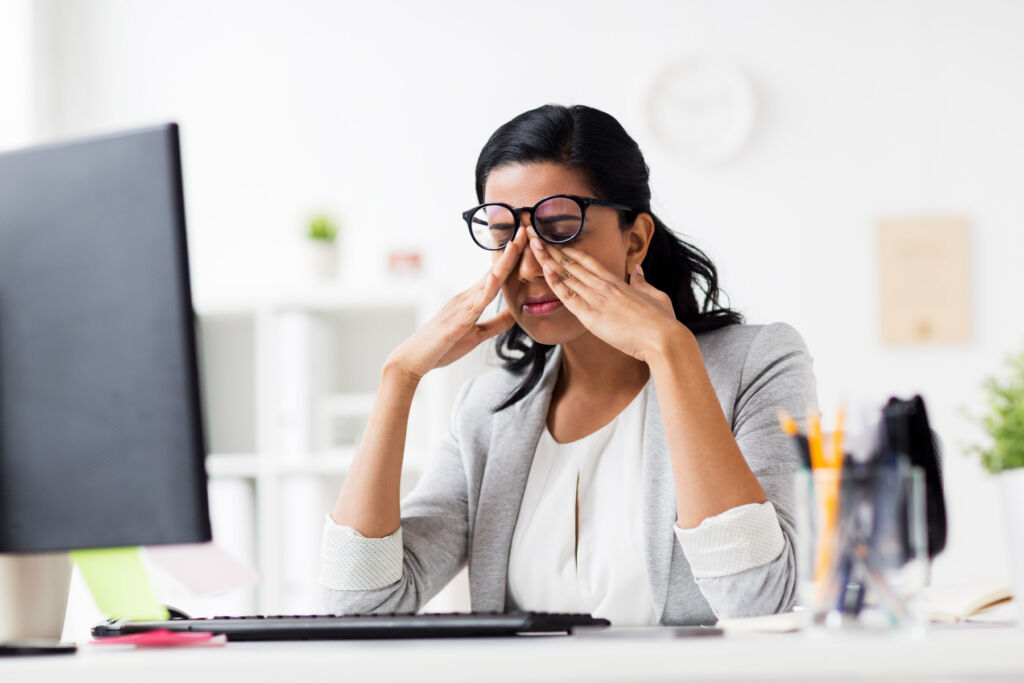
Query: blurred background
<point>779,134</point>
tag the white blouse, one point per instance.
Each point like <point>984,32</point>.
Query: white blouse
<point>578,541</point>
<point>593,562</point>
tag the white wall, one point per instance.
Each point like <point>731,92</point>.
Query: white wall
<point>377,111</point>
<point>16,94</point>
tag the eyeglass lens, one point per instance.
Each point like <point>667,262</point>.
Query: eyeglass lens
<point>557,219</point>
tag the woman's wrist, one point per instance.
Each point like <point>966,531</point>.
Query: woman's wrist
<point>396,374</point>
<point>669,344</point>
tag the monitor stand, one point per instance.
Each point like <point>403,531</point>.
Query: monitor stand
<point>33,596</point>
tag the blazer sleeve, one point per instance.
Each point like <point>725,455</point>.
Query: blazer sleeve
<point>777,373</point>
<point>430,544</point>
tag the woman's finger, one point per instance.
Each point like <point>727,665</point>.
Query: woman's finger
<point>639,282</point>
<point>478,333</point>
<point>576,268</point>
<point>566,293</point>
<point>561,267</point>
<point>500,270</point>
<point>591,264</point>
<point>496,325</point>
<point>636,277</point>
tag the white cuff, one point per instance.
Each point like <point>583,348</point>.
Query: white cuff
<point>738,539</point>
<point>350,561</point>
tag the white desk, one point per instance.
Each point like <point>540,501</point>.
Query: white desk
<point>950,654</point>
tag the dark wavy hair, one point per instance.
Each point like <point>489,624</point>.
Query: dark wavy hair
<point>596,145</point>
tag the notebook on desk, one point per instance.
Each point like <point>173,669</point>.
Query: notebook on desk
<point>363,626</point>
<point>953,603</point>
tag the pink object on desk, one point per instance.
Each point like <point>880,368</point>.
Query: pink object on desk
<point>163,637</point>
<point>203,567</point>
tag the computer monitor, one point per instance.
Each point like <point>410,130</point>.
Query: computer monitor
<point>101,440</point>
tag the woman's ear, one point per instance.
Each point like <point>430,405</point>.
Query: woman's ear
<point>638,240</point>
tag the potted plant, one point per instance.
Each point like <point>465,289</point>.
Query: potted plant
<point>323,249</point>
<point>1003,456</point>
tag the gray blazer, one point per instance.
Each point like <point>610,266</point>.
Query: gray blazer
<point>465,506</point>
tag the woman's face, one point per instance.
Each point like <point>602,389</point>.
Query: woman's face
<point>520,185</point>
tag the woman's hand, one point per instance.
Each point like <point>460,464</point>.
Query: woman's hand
<point>631,316</point>
<point>454,331</point>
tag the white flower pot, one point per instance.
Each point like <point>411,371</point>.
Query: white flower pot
<point>323,260</point>
<point>1011,493</point>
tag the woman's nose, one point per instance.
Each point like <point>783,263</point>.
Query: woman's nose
<point>529,267</point>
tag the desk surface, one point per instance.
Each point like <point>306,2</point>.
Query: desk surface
<point>949,654</point>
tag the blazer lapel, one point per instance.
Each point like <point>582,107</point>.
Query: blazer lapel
<point>659,511</point>
<point>514,435</point>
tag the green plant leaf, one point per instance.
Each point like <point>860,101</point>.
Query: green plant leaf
<point>1004,420</point>
<point>322,228</point>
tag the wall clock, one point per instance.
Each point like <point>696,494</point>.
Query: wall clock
<point>702,109</point>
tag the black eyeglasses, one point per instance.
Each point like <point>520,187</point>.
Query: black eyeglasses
<point>557,219</point>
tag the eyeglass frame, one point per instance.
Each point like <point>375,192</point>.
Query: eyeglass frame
<point>582,202</point>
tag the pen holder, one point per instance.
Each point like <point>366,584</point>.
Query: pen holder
<point>862,546</point>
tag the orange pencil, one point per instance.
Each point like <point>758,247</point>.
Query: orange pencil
<point>827,483</point>
<point>836,459</point>
<point>787,423</point>
<point>814,439</point>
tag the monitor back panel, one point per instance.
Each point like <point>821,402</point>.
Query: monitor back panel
<point>101,442</point>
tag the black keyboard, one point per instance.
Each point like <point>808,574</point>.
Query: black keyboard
<point>330,627</point>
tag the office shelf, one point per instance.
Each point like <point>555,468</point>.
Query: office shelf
<point>251,466</point>
<point>232,465</point>
<point>289,379</point>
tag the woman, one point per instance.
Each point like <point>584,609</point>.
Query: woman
<point>626,461</point>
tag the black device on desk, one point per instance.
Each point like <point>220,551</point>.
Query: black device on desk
<point>905,429</point>
<point>101,439</point>
<point>366,626</point>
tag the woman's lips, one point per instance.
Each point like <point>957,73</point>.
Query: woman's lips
<point>541,307</point>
